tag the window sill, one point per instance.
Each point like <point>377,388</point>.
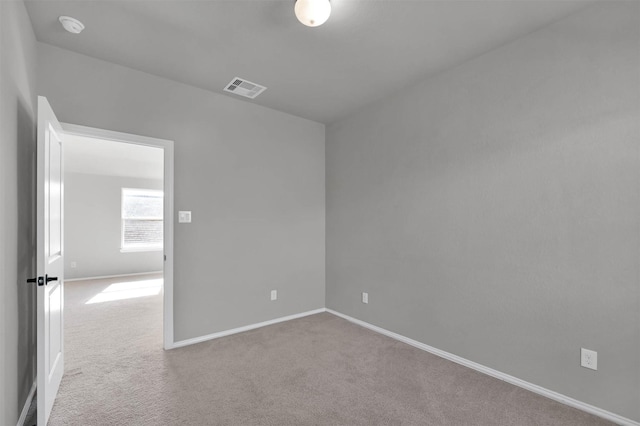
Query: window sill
<point>140,249</point>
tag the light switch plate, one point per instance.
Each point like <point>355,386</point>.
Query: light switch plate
<point>184,217</point>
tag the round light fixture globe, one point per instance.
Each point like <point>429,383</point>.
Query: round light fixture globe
<point>312,13</point>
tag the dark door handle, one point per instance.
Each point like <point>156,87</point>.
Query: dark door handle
<point>49,279</point>
<point>40,280</point>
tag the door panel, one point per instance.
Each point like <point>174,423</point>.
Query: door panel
<point>55,327</point>
<point>50,251</point>
<point>54,196</point>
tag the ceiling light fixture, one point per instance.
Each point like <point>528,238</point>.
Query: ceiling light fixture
<point>312,13</point>
<point>71,24</point>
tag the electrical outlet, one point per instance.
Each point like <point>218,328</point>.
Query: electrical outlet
<point>589,358</point>
<point>274,294</point>
<point>74,265</point>
<point>365,297</point>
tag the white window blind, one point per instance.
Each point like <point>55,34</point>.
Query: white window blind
<point>142,225</point>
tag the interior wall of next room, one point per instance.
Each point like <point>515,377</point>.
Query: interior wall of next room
<point>93,227</point>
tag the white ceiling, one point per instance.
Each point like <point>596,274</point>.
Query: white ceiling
<point>366,50</point>
<point>100,157</point>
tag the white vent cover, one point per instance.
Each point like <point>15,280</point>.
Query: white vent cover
<point>244,88</point>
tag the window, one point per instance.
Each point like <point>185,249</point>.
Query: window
<point>141,219</point>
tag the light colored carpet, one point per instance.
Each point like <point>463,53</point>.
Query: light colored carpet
<point>317,370</point>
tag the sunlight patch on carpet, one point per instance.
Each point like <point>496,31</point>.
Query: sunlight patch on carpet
<point>128,290</point>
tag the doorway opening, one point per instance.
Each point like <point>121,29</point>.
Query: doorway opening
<point>118,230</point>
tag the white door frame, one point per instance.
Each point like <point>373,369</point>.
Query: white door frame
<point>167,146</point>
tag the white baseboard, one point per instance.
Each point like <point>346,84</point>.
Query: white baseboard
<point>27,404</point>
<point>497,374</point>
<point>112,276</point>
<point>219,334</point>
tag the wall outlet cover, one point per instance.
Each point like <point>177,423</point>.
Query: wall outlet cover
<point>589,358</point>
<point>365,297</point>
<point>274,294</point>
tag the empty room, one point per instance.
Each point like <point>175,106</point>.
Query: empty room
<point>320,212</point>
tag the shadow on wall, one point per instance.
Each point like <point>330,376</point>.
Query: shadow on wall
<point>26,249</point>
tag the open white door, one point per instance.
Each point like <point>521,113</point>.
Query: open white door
<point>50,278</point>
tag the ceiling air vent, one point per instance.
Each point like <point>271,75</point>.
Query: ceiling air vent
<point>244,88</point>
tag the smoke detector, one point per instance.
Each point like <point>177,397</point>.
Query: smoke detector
<point>245,88</point>
<point>71,24</point>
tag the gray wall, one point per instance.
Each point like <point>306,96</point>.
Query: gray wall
<point>92,232</point>
<point>17,195</point>
<point>253,177</point>
<point>493,211</point>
